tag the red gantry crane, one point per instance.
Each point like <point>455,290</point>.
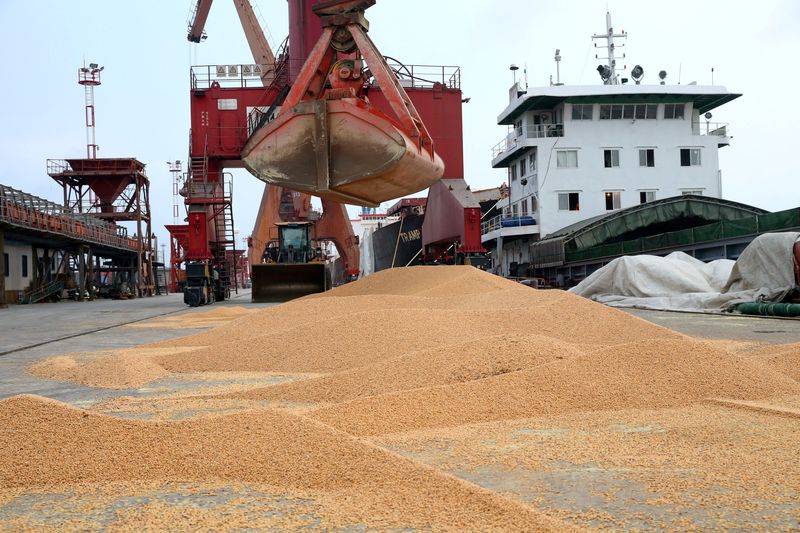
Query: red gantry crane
<point>329,116</point>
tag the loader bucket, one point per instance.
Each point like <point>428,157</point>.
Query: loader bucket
<point>343,150</point>
<point>283,282</point>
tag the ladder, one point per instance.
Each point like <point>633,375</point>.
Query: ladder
<point>42,292</point>
<point>225,249</point>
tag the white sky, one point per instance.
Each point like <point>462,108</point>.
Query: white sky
<point>143,106</point>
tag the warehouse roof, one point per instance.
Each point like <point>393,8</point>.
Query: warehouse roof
<point>659,216</point>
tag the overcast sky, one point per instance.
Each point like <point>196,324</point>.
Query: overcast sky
<point>143,105</point>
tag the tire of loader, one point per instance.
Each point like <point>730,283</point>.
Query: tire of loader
<point>276,282</point>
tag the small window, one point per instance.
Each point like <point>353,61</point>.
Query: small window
<point>673,111</point>
<point>647,157</point>
<point>522,167</point>
<point>513,171</point>
<point>696,192</point>
<point>514,211</point>
<point>582,111</point>
<point>569,201</point>
<point>5,265</point>
<point>533,205</point>
<point>613,200</point>
<point>567,158</point>
<point>532,161</point>
<point>227,104</point>
<point>611,158</point>
<point>690,157</point>
<point>646,196</point>
<point>24,266</point>
<point>524,207</point>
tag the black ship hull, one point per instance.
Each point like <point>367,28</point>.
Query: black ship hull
<point>398,244</point>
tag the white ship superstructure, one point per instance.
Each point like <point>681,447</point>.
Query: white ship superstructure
<point>575,152</point>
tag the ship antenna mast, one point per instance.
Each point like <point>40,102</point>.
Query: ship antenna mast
<point>609,71</point>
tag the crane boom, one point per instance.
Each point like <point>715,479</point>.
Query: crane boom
<point>259,47</point>
<point>198,20</point>
<point>256,40</point>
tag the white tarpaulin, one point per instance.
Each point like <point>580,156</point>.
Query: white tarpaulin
<point>763,272</point>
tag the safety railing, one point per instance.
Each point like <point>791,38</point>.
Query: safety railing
<point>425,76</point>
<point>529,131</point>
<point>108,165</point>
<point>503,221</point>
<point>23,210</point>
<point>241,75</point>
<point>710,128</point>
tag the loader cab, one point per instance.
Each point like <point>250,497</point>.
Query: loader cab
<point>294,242</point>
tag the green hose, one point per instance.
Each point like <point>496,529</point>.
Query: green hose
<point>769,309</point>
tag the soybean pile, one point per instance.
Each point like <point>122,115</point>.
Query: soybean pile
<point>421,348</point>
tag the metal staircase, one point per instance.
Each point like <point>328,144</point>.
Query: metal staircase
<point>225,238</point>
<point>42,292</point>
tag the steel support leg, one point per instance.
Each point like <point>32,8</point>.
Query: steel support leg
<point>2,270</point>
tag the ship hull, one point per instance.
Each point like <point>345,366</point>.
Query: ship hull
<point>398,244</point>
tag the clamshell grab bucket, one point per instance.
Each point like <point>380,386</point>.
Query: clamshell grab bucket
<point>343,150</point>
<point>328,140</point>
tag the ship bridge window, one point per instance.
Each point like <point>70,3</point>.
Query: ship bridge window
<point>628,111</point>
<point>569,201</point>
<point>522,167</point>
<point>582,111</point>
<point>532,161</point>
<point>690,157</point>
<point>673,111</point>
<point>512,172</point>
<point>567,159</point>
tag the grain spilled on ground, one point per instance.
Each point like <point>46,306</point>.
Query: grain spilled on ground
<point>265,447</point>
<point>123,369</point>
<point>302,406</point>
<point>647,374</point>
<point>454,363</point>
<point>194,319</point>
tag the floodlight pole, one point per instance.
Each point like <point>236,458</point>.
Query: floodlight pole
<point>89,77</point>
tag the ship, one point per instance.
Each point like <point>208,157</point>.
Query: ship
<point>394,238</point>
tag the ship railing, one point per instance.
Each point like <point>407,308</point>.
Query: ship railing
<point>507,221</point>
<point>719,129</point>
<point>528,131</point>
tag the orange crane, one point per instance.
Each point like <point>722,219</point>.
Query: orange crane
<point>347,131</point>
<point>279,204</point>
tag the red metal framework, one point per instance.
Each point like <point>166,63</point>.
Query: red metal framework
<point>178,241</point>
<point>114,190</point>
<point>25,211</point>
<point>229,102</point>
